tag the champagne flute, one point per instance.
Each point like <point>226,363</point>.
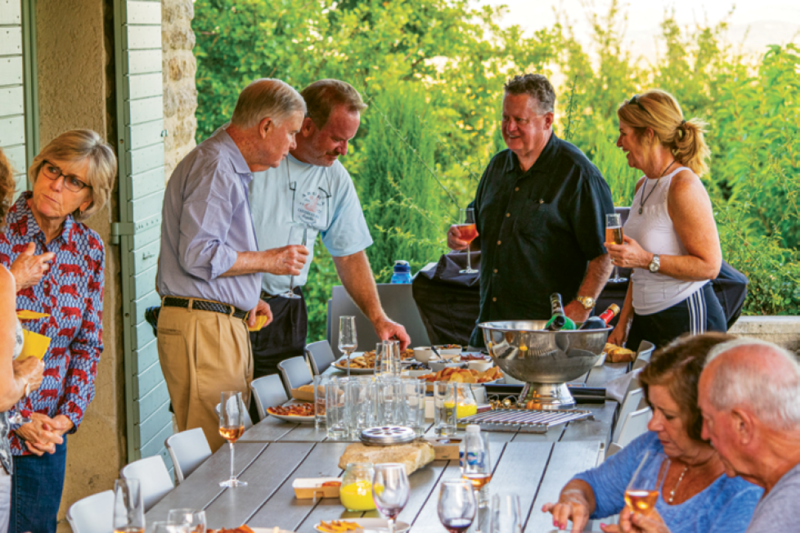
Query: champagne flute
<point>614,234</point>
<point>641,494</point>
<point>195,519</point>
<point>231,427</point>
<point>467,232</point>
<point>293,229</point>
<point>456,506</point>
<point>128,506</point>
<point>390,490</point>
<point>506,516</point>
<point>348,341</point>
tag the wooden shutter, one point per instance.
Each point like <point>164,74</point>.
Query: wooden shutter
<point>141,195</point>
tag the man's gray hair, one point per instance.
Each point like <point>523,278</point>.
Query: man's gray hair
<point>772,392</point>
<point>266,97</point>
<point>537,87</point>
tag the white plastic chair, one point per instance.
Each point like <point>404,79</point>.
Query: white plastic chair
<point>643,354</point>
<point>188,449</point>
<point>320,355</point>
<point>629,405</point>
<point>268,391</point>
<point>635,425</point>
<point>295,373</point>
<point>93,514</point>
<point>153,478</point>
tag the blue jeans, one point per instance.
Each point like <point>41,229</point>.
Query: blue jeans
<point>36,489</point>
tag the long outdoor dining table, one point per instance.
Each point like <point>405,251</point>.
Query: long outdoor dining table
<point>273,453</point>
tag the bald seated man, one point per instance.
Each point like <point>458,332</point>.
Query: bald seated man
<point>749,394</point>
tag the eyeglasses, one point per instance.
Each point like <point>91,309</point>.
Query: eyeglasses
<point>71,182</point>
<point>634,100</point>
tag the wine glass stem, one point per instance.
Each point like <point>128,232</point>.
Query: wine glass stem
<point>616,275</point>
<point>348,363</point>
<point>231,445</point>
<point>391,525</point>
<point>469,261</point>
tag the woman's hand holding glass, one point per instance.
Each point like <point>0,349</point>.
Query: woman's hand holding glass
<point>572,504</point>
<point>633,522</point>
<point>629,254</point>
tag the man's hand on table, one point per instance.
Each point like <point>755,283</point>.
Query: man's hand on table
<point>389,329</point>
<point>576,311</point>
<point>43,433</point>
<point>262,309</point>
<point>286,261</point>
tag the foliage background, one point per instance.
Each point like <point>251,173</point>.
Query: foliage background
<point>432,72</point>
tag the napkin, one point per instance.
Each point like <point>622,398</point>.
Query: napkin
<point>618,387</point>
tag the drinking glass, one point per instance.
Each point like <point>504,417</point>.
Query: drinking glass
<point>390,392</point>
<point>614,234</point>
<point>335,409</point>
<point>294,230</point>
<point>641,494</point>
<point>231,427</point>
<point>348,341</point>
<point>413,403</point>
<point>444,417</point>
<point>170,527</point>
<point>128,506</point>
<point>506,515</point>
<point>359,405</point>
<point>320,382</point>
<point>456,505</point>
<point>390,490</point>
<point>476,463</point>
<point>194,518</point>
<point>382,360</point>
<point>468,232</point>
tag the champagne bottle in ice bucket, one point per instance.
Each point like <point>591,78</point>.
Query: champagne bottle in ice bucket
<point>559,321</point>
<point>601,322</point>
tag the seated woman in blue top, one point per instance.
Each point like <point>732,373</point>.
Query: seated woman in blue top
<point>697,496</point>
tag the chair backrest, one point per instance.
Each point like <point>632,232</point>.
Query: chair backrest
<point>635,424</point>
<point>295,373</point>
<point>248,422</point>
<point>643,354</point>
<point>320,355</point>
<point>629,404</point>
<point>93,514</point>
<point>153,478</point>
<point>188,449</point>
<point>268,391</point>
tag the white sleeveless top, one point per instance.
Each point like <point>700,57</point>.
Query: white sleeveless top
<point>655,233</point>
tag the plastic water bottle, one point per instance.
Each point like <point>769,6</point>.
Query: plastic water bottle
<point>402,272</point>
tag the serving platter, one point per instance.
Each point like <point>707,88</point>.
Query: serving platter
<point>371,524</point>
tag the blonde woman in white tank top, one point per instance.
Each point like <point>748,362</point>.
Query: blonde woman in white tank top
<point>671,240</point>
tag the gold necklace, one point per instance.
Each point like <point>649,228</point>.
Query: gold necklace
<point>672,492</point>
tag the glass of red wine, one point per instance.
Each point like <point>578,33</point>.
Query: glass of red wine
<point>467,232</point>
<point>457,505</point>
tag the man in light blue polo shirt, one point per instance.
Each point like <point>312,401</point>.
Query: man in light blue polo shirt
<point>310,192</point>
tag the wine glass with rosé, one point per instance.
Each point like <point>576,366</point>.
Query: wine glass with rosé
<point>641,494</point>
<point>614,234</point>
<point>467,232</point>
<point>231,427</point>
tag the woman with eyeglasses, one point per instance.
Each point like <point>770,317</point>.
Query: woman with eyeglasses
<point>72,179</point>
<point>670,237</point>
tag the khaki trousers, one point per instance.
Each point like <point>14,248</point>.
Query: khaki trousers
<point>203,353</point>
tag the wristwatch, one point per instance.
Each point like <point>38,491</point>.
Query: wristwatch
<point>655,264</point>
<point>586,301</point>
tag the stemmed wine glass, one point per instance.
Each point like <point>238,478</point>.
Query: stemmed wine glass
<point>614,234</point>
<point>467,232</point>
<point>195,519</point>
<point>128,506</point>
<point>641,494</point>
<point>231,427</point>
<point>456,506</point>
<point>293,229</point>
<point>390,490</point>
<point>348,341</point>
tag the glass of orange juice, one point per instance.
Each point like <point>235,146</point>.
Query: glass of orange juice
<point>356,490</point>
<point>641,494</point>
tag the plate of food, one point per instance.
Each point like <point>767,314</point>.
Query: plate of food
<point>464,375</point>
<point>359,524</point>
<point>360,363</point>
<point>296,412</point>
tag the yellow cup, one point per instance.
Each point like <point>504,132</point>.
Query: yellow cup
<point>35,345</point>
<point>260,321</point>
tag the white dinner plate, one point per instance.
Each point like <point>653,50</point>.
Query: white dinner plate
<point>295,419</point>
<point>372,524</point>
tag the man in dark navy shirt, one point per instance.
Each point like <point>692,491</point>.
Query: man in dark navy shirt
<point>540,210</point>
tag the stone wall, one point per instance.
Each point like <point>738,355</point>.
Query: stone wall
<point>180,92</point>
<point>782,330</point>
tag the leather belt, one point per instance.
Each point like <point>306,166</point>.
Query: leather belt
<point>203,305</point>
<point>266,296</point>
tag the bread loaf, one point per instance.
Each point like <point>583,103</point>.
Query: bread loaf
<point>413,455</point>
